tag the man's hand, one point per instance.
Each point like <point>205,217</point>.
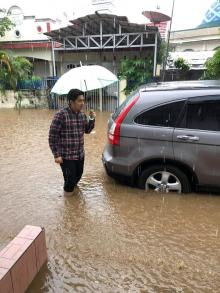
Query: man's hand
<point>59,160</point>
<point>92,114</point>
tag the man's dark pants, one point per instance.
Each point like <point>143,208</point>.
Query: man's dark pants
<point>72,173</point>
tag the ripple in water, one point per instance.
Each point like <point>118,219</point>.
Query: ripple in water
<point>108,237</point>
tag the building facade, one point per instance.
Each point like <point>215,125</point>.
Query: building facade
<point>103,39</point>
<point>198,44</point>
<point>27,39</point>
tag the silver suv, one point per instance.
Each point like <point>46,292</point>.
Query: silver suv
<point>166,137</point>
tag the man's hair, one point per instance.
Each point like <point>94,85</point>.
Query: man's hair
<point>73,94</point>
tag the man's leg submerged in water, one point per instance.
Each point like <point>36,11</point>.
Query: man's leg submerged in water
<point>72,173</point>
<point>79,170</point>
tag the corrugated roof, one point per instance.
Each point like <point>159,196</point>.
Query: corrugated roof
<point>90,25</point>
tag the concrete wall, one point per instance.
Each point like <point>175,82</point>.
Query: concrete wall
<point>29,29</point>
<point>110,60</point>
<point>43,65</point>
<point>195,59</point>
<point>22,259</point>
<point>38,53</point>
<point>31,99</point>
<point>122,86</point>
<point>207,45</point>
<point>41,59</point>
<point>42,68</point>
<point>206,39</point>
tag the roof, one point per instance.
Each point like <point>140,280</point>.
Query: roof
<point>44,19</point>
<point>195,34</point>
<point>90,25</point>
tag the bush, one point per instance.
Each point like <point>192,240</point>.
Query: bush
<point>181,64</point>
<point>13,70</point>
<point>136,72</point>
<point>34,83</point>
<point>213,66</point>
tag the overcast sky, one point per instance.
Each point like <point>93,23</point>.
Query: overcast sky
<point>187,14</point>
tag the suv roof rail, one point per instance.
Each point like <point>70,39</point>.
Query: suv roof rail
<point>180,85</point>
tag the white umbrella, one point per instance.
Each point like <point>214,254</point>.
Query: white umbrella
<point>84,78</point>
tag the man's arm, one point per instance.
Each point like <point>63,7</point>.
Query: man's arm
<point>54,134</point>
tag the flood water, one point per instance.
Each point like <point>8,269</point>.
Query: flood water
<point>108,237</point>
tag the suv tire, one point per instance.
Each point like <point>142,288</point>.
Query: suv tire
<point>164,178</point>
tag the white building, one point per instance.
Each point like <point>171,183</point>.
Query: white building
<point>34,37</point>
<point>27,39</point>
<point>198,44</point>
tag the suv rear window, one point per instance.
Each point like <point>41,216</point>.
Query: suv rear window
<point>127,101</point>
<point>165,115</point>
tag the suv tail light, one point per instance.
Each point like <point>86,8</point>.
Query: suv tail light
<point>114,132</point>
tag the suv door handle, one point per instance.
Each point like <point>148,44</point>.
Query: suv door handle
<point>188,137</point>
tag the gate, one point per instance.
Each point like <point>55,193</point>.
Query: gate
<point>105,99</point>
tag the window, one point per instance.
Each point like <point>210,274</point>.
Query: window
<point>165,115</point>
<point>39,29</point>
<point>70,66</point>
<point>17,33</point>
<point>128,100</point>
<point>203,116</point>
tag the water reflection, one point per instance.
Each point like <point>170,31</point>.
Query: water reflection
<point>108,237</point>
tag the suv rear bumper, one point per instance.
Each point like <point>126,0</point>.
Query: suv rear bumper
<point>112,168</point>
<point>107,163</point>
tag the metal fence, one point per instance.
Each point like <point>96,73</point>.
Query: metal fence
<point>37,84</point>
<point>105,99</point>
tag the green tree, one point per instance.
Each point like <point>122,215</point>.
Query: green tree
<point>4,61</point>
<point>5,25</point>
<point>163,52</point>
<point>5,70</point>
<point>161,55</point>
<point>213,66</point>
<point>21,69</point>
<point>12,70</point>
<point>182,65</point>
<point>136,72</point>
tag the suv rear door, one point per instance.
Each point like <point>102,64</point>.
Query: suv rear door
<point>152,131</point>
<point>197,141</point>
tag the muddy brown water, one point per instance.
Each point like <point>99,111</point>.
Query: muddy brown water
<point>108,237</point>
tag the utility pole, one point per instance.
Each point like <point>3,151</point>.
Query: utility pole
<point>168,43</point>
<point>53,59</point>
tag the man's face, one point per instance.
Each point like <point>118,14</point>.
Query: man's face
<point>78,104</point>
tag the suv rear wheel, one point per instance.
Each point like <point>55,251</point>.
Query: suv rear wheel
<point>166,179</point>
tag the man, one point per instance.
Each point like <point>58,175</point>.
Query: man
<point>66,139</point>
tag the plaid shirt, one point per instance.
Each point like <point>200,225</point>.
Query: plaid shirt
<point>66,135</point>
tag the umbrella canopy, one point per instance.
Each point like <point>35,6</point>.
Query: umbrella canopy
<point>156,17</point>
<point>84,78</point>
